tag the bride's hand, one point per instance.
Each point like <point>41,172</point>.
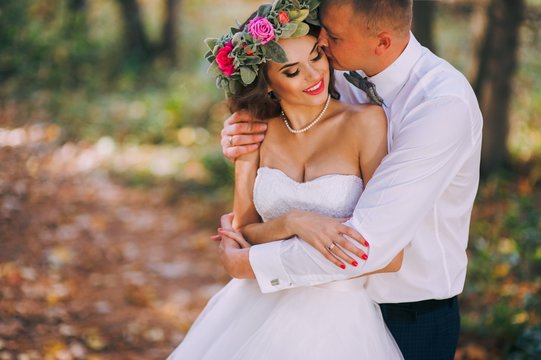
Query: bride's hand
<point>236,236</point>
<point>326,234</point>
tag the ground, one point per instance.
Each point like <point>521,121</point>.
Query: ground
<point>91,268</point>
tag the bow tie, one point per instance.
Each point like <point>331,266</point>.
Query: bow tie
<point>365,85</point>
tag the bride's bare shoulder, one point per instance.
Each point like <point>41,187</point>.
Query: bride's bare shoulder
<point>364,117</point>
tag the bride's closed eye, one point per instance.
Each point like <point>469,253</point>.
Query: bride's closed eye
<point>293,74</point>
<point>315,59</point>
<point>318,56</point>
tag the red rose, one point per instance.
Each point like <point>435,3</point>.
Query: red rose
<point>283,17</point>
<point>225,63</point>
<point>247,50</point>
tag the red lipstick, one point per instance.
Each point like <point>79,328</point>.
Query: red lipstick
<point>316,89</point>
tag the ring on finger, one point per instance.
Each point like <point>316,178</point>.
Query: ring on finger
<point>330,247</point>
<point>230,140</point>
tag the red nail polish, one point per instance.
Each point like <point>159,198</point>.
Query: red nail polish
<point>364,257</point>
<point>343,266</point>
<point>366,243</point>
<point>355,263</point>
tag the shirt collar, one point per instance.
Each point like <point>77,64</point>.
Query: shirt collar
<point>392,79</point>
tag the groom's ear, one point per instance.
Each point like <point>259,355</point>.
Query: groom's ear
<point>384,43</point>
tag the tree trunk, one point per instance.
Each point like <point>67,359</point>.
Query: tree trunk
<point>77,5</point>
<point>169,31</point>
<point>478,29</point>
<point>423,20</point>
<point>498,60</point>
<point>136,44</point>
<point>76,21</point>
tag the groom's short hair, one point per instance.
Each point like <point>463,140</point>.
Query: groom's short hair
<point>379,13</point>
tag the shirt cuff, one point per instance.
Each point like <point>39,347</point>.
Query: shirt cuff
<point>266,263</point>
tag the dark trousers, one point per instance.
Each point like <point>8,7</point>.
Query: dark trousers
<point>425,329</point>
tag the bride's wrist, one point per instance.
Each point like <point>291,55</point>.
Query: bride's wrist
<point>292,222</point>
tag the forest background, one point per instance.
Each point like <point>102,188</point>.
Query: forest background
<point>112,177</point>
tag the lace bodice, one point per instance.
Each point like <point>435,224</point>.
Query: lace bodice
<point>334,195</point>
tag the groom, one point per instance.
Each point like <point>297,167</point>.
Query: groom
<point>420,197</point>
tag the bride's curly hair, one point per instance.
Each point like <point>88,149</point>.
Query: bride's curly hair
<point>255,98</point>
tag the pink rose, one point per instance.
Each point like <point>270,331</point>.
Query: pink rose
<point>225,63</point>
<point>261,28</point>
<point>282,17</point>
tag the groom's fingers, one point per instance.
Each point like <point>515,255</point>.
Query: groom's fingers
<point>235,236</point>
<point>226,221</point>
<point>234,152</point>
<point>232,141</point>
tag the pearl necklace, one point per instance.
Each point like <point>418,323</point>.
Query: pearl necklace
<point>307,127</point>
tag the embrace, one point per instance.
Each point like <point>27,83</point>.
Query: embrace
<point>356,157</point>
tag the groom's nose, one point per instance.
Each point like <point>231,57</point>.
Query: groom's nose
<point>323,40</point>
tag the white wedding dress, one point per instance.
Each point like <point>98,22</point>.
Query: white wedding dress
<point>332,321</point>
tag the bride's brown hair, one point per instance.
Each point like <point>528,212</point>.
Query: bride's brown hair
<point>255,98</point>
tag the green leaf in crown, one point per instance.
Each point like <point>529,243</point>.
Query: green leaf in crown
<point>289,29</point>
<point>302,29</point>
<point>247,75</point>
<point>264,10</point>
<point>298,15</point>
<point>275,52</point>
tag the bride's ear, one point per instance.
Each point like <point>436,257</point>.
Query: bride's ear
<point>271,94</point>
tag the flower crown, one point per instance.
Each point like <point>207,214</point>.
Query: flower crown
<point>235,57</point>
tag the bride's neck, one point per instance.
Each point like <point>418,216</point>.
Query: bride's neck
<point>300,116</point>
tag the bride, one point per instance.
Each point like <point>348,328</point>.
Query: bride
<point>317,156</point>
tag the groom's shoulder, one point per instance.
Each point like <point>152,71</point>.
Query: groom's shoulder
<point>439,78</point>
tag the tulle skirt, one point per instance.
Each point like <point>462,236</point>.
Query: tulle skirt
<point>332,321</point>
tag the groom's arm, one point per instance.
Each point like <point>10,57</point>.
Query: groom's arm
<point>427,154</point>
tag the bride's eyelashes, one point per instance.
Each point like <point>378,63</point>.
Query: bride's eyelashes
<point>318,56</point>
<point>293,74</point>
<point>315,59</point>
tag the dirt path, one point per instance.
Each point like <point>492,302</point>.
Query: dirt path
<point>90,269</point>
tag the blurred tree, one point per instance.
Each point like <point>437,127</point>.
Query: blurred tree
<point>422,26</point>
<point>478,26</point>
<point>138,47</point>
<point>77,5</point>
<point>497,62</point>
<point>170,37</point>
<point>136,44</point>
<point>13,16</point>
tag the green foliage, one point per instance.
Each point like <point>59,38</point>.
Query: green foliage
<point>67,67</point>
<point>221,170</point>
<point>504,278</point>
<point>527,345</point>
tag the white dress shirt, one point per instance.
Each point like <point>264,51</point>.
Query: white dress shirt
<point>420,197</point>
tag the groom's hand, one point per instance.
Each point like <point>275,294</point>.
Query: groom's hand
<point>234,250</point>
<point>235,259</point>
<point>241,134</point>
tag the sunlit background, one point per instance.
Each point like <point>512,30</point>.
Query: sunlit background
<point>112,177</point>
